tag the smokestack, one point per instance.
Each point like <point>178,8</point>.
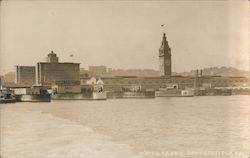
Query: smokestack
<point>196,79</point>
<point>197,73</point>
<point>201,77</point>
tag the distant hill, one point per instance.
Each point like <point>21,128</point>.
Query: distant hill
<point>9,77</point>
<point>212,71</point>
<point>133,72</point>
<point>218,71</point>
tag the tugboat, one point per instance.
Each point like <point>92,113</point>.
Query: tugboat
<point>7,96</point>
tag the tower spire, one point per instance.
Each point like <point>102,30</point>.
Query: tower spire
<point>164,36</point>
<point>164,43</point>
<point>165,57</point>
<point>164,39</point>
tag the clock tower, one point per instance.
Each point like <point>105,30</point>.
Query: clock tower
<point>165,58</point>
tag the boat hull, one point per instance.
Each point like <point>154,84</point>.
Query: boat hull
<point>135,95</point>
<point>171,94</point>
<point>34,98</point>
<point>7,96</point>
<point>167,95</point>
<point>3,101</point>
<point>99,96</point>
<point>80,96</point>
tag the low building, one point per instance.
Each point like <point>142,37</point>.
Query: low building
<point>121,82</point>
<point>25,75</point>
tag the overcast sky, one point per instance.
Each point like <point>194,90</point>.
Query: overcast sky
<point>125,34</point>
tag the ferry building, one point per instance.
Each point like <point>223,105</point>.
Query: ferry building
<point>165,58</point>
<point>166,78</point>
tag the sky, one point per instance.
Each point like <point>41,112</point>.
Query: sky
<point>125,34</point>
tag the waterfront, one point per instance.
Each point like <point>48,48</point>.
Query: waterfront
<point>127,127</point>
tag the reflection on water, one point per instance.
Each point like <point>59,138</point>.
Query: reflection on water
<point>151,127</point>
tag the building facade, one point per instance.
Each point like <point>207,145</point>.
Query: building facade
<point>118,83</point>
<point>165,58</point>
<point>25,75</point>
<point>66,87</point>
<point>52,71</point>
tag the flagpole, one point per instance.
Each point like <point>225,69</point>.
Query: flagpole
<point>163,28</point>
<point>71,57</point>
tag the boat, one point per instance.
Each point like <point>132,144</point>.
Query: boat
<point>131,94</point>
<point>173,91</point>
<point>36,93</point>
<point>79,92</point>
<point>98,92</point>
<point>100,95</point>
<point>187,93</point>
<point>79,96</point>
<point>7,96</point>
<point>139,94</point>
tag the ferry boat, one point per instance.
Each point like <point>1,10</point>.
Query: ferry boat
<point>80,96</point>
<point>7,96</point>
<point>148,93</point>
<point>139,94</point>
<point>36,93</point>
<point>75,91</point>
<point>173,91</point>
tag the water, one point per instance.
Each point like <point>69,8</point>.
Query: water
<point>194,127</point>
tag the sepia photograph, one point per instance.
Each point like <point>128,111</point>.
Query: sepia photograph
<point>124,79</point>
